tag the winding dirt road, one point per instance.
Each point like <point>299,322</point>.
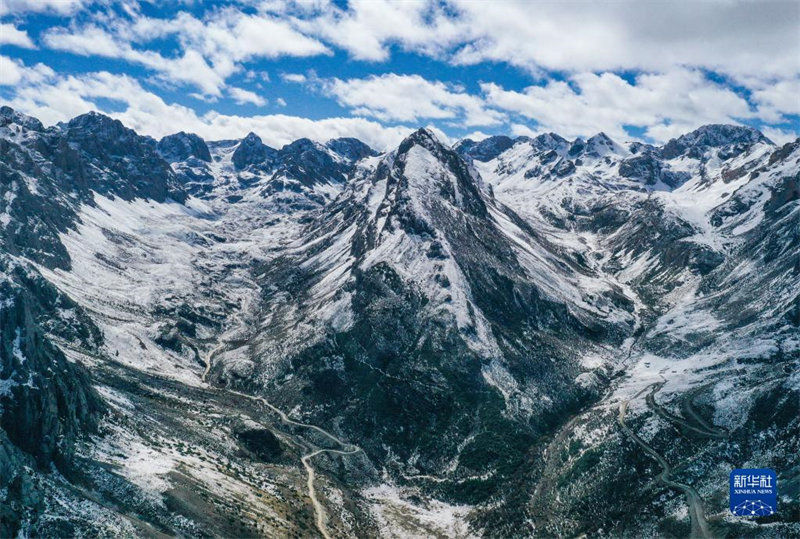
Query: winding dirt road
<point>687,407</point>
<point>701,427</point>
<point>697,515</point>
<point>347,449</point>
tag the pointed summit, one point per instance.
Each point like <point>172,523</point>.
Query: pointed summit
<point>310,163</point>
<point>548,141</point>
<point>252,152</point>
<point>94,125</point>
<point>424,137</point>
<point>601,145</point>
<point>425,167</point>
<point>251,139</point>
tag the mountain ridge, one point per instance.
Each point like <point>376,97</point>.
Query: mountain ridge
<point>469,320</point>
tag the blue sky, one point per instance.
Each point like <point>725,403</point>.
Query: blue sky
<point>377,69</point>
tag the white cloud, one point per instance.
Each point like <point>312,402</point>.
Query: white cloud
<point>367,27</point>
<point>232,36</point>
<point>520,130</point>
<point>298,78</point>
<point>11,35</point>
<point>754,41</point>
<point>477,136</point>
<point>732,37</point>
<point>11,71</point>
<point>212,49</point>
<point>780,136</point>
<point>672,45</point>
<point>242,97</point>
<point>62,7</point>
<point>666,104</point>
<point>91,40</point>
<point>53,98</point>
<point>410,98</point>
<point>776,98</point>
<point>279,129</point>
<point>14,72</point>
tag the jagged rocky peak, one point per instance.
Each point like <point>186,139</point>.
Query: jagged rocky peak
<point>123,162</point>
<point>423,136</point>
<point>181,146</point>
<point>486,149</point>
<point>350,148</point>
<point>547,141</point>
<point>302,145</point>
<point>98,126</point>
<point>601,141</point>
<point>729,139</point>
<point>636,148</point>
<point>310,163</point>
<point>599,145</point>
<point>576,147</point>
<point>784,151</point>
<point>251,151</point>
<point>426,168</point>
<point>9,116</point>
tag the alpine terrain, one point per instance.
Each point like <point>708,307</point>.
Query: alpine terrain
<point>506,337</point>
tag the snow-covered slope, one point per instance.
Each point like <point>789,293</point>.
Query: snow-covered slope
<point>426,336</point>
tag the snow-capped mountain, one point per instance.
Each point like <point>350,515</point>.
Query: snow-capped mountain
<point>413,275</point>
<point>224,338</point>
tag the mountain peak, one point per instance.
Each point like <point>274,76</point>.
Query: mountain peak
<point>696,143</point>
<point>546,141</point>
<point>423,137</point>
<point>486,149</point>
<point>600,138</point>
<point>252,151</point>
<point>601,144</point>
<point>10,116</point>
<point>251,139</point>
<point>181,146</point>
<point>427,166</point>
<point>301,145</point>
<point>720,134</point>
<point>350,148</point>
<point>94,124</point>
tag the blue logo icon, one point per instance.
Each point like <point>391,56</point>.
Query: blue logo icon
<point>754,492</point>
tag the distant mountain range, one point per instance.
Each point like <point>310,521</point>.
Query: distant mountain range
<point>495,338</point>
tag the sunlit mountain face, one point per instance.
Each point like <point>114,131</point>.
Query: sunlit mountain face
<point>381,269</point>
<point>477,339</point>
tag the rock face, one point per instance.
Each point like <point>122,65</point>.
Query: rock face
<point>181,146</point>
<point>351,149</point>
<point>120,161</point>
<point>47,403</point>
<point>649,169</point>
<point>415,304</point>
<point>251,152</point>
<point>189,330</point>
<point>309,163</point>
<point>485,150</point>
<point>728,140</point>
